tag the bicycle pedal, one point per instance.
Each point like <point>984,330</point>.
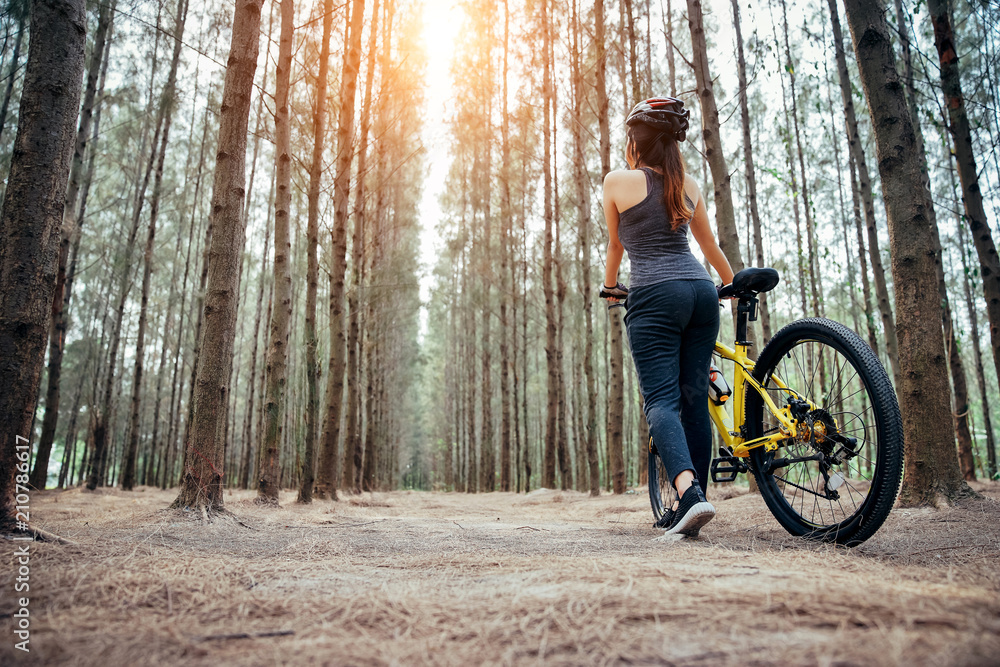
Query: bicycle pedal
<point>726,468</point>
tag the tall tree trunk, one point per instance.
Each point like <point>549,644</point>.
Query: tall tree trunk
<point>562,423</point>
<point>248,458</point>
<point>354,444</point>
<point>166,111</point>
<point>30,224</point>
<point>312,267</point>
<point>371,260</point>
<point>668,37</point>
<point>549,458</point>
<point>765,317</point>
<point>202,479</point>
<point>70,231</point>
<point>484,248</point>
<point>968,172</point>
<point>248,434</point>
<point>865,188</point>
<point>275,403</point>
<point>616,381</point>
<point>991,450</point>
<point>931,464</point>
<point>865,284</point>
<point>12,75</point>
<point>176,393</point>
<point>725,215</point>
<point>845,227</point>
<point>104,418</point>
<point>506,329</point>
<point>328,473</point>
<point>582,183</point>
<point>815,283</point>
<point>158,448</point>
<point>959,384</point>
<point>793,179</point>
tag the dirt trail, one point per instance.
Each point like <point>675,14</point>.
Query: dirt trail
<point>551,577</point>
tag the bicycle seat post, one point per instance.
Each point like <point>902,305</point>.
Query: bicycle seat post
<point>746,311</point>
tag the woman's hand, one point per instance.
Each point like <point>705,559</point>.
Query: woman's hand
<point>614,294</point>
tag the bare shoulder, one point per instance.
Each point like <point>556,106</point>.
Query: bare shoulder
<point>625,187</point>
<point>623,177</point>
<point>691,188</point>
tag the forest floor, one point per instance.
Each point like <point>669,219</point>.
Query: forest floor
<point>546,578</point>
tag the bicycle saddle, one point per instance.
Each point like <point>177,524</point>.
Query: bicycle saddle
<point>750,281</point>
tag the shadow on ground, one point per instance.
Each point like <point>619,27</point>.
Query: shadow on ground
<point>552,576</point>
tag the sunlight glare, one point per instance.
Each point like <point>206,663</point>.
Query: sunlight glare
<point>442,21</point>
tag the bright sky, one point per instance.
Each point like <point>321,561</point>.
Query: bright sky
<point>442,19</point>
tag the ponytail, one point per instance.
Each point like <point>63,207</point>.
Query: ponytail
<point>678,211</point>
<point>659,148</point>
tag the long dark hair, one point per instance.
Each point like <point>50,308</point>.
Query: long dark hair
<point>655,148</point>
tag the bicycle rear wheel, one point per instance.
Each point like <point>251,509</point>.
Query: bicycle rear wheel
<point>836,480</point>
<point>661,492</point>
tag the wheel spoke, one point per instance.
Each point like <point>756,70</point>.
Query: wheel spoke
<point>799,479</point>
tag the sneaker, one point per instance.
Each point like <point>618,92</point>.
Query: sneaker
<point>664,521</point>
<point>693,512</point>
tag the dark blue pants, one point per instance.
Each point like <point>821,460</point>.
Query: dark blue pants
<point>672,327</point>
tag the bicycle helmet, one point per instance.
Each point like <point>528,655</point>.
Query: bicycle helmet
<point>665,114</point>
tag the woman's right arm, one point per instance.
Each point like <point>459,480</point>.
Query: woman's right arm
<point>615,248</point>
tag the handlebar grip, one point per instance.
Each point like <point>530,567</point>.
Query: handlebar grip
<point>619,291</point>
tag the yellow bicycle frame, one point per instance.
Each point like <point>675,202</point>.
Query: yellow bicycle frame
<point>730,428</point>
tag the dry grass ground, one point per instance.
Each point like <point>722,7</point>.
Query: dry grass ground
<point>548,578</point>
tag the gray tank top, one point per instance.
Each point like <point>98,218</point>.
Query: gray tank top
<point>655,251</point>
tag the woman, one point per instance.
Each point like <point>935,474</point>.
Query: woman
<point>673,306</point>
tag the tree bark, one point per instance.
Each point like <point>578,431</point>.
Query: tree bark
<point>549,458</point>
<point>562,426</point>
<point>959,384</point>
<point>725,213</point>
<point>354,444</point>
<point>202,479</point>
<point>506,329</point>
<point>751,176</point>
<point>865,284</point>
<point>865,189</point>
<point>248,434</point>
<point>312,266</point>
<point>12,75</point>
<point>275,403</point>
<point>30,224</point>
<point>159,448</point>
<point>328,472</point>
<point>968,172</point>
<point>815,283</point>
<point>176,393</point>
<point>70,230</point>
<point>616,381</point>
<point>991,450</point>
<point>582,183</point>
<point>931,464</point>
